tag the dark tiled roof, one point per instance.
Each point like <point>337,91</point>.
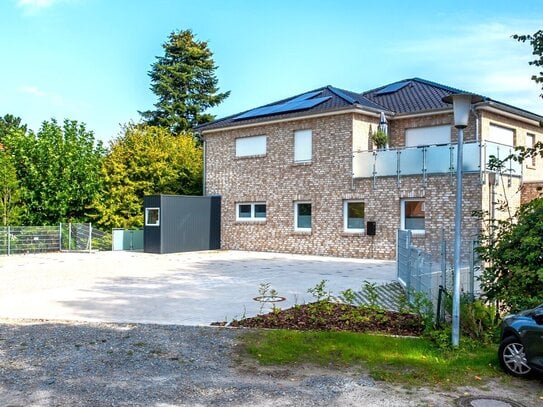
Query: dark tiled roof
<point>407,96</point>
<point>336,101</point>
<point>417,95</point>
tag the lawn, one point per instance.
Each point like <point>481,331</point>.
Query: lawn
<point>410,360</point>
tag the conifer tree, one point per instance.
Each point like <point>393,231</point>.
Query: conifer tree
<point>185,83</point>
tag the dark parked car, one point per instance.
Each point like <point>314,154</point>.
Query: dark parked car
<point>521,348</point>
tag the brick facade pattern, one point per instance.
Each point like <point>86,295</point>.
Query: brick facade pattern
<point>530,191</point>
<point>327,182</point>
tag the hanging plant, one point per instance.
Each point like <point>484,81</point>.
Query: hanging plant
<point>379,138</point>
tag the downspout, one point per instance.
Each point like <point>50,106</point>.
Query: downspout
<point>204,168</point>
<point>477,123</point>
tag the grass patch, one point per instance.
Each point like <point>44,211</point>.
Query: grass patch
<point>415,361</point>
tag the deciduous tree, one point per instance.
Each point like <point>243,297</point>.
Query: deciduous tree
<point>58,169</point>
<point>146,160</point>
<point>184,81</point>
<point>10,123</point>
<point>9,190</point>
<point>536,41</point>
<point>514,255</point>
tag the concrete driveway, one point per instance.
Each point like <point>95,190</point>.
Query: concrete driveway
<point>186,288</point>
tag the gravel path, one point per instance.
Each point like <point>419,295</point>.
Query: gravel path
<point>88,364</point>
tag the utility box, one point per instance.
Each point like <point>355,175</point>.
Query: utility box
<point>176,223</point>
<point>127,239</point>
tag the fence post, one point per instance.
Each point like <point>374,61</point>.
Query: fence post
<point>70,236</point>
<point>90,237</point>
<point>9,240</point>
<point>443,259</point>
<point>60,237</point>
<point>472,270</point>
<point>397,253</point>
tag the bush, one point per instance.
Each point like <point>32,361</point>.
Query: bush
<point>513,252</point>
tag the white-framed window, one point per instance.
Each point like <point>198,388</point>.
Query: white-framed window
<point>353,216</point>
<point>501,135</point>
<point>251,211</point>
<point>152,216</point>
<point>427,136</point>
<point>303,149</point>
<point>530,142</point>
<point>250,146</point>
<point>302,216</point>
<point>413,215</point>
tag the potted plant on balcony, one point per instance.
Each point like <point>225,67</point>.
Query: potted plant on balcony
<point>380,139</point>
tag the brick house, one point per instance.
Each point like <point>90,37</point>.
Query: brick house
<point>302,175</point>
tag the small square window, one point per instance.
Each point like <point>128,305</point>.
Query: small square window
<point>260,211</point>
<point>244,211</point>
<point>152,216</point>
<point>413,215</point>
<point>353,215</point>
<point>302,216</point>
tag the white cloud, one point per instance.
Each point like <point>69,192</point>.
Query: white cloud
<point>480,58</point>
<point>51,98</point>
<point>32,90</point>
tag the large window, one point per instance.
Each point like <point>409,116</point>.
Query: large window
<point>427,136</point>
<point>501,135</point>
<point>353,216</point>
<point>302,216</point>
<point>250,146</point>
<point>303,146</point>
<point>413,214</point>
<point>254,211</point>
<point>152,216</point>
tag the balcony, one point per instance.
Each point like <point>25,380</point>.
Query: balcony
<point>426,160</point>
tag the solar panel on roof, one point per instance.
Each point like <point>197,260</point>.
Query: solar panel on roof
<point>392,88</point>
<point>301,102</point>
<point>305,104</point>
<point>305,96</point>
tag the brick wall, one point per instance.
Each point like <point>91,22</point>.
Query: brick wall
<point>326,182</point>
<point>531,190</point>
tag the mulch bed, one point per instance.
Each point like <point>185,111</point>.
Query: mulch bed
<point>328,316</point>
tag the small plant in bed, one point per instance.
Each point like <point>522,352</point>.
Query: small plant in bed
<point>398,347</point>
<point>325,315</point>
<point>328,316</point>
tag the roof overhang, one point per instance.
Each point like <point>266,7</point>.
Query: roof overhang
<point>422,114</point>
<point>490,106</point>
<point>349,109</point>
<point>510,112</point>
<point>487,105</point>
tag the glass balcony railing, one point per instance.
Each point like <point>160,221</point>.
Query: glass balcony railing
<point>426,160</point>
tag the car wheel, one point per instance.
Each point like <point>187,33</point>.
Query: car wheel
<point>512,357</point>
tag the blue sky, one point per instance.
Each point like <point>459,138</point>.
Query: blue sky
<point>88,59</point>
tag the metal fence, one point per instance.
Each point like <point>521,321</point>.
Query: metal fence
<point>64,237</point>
<point>420,272</point>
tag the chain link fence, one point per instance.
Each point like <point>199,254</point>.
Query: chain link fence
<point>421,272</point>
<point>74,237</point>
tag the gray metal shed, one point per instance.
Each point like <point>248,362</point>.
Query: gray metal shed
<point>175,223</point>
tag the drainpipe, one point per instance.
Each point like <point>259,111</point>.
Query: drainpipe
<point>477,123</point>
<point>204,169</point>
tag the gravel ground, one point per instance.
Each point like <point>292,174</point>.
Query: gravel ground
<point>95,364</point>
